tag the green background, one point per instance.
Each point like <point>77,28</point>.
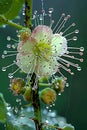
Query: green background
<point>72,104</point>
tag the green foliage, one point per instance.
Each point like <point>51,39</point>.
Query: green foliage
<point>2,109</point>
<point>9,9</point>
<point>68,127</point>
<point>14,10</point>
<point>5,6</point>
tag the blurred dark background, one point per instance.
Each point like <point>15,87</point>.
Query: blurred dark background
<point>72,104</point>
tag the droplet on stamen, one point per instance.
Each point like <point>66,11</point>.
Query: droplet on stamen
<point>8,38</point>
<point>81,48</point>
<point>10,75</point>
<point>3,69</point>
<point>79,68</point>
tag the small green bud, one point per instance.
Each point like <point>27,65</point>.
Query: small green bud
<point>24,34</point>
<point>27,95</point>
<point>58,85</point>
<point>48,96</point>
<point>44,79</point>
<point>17,85</point>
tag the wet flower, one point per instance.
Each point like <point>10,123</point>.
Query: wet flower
<point>45,50</point>
<point>17,85</point>
<point>48,96</point>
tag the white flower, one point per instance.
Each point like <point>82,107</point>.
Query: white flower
<point>40,52</point>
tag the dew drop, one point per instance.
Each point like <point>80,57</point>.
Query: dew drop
<point>59,94</point>
<point>74,38</point>
<point>8,38</point>
<point>50,110</point>
<point>67,84</point>
<point>3,69</point>
<point>76,31</point>
<point>3,56</point>
<point>51,10</point>
<point>79,68</point>
<point>10,75</point>
<point>73,24</point>
<point>81,48</point>
<point>8,45</point>
<point>81,60</point>
<point>5,52</point>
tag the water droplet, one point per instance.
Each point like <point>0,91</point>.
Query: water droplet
<point>50,105</point>
<point>3,56</point>
<point>76,31</point>
<point>47,107</point>
<point>8,38</point>
<point>63,14</point>
<point>10,75</point>
<point>8,45</point>
<point>81,60</point>
<point>74,38</point>
<point>41,17</point>
<point>51,10</point>
<point>3,69</point>
<point>35,12</point>
<point>59,94</point>
<point>81,48</point>
<point>67,84</point>
<point>5,52</point>
<point>79,68</point>
<point>50,110</point>
<point>73,24</point>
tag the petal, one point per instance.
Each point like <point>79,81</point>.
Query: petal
<point>59,45</point>
<point>42,33</point>
<point>26,62</point>
<point>46,68</point>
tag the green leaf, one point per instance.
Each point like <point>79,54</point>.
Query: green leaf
<point>5,6</point>
<point>68,127</point>
<point>15,9</point>
<point>21,122</point>
<point>3,109</point>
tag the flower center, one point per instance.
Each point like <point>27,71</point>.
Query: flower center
<point>42,50</point>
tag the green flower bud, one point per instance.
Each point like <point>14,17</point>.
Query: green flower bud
<point>17,85</point>
<point>58,85</point>
<point>48,96</point>
<point>24,34</point>
<point>27,95</point>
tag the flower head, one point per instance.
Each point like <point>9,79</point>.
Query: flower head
<point>40,52</point>
<point>45,50</point>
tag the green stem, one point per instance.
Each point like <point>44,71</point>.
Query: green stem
<point>36,103</point>
<point>44,85</point>
<point>6,21</point>
<point>28,13</point>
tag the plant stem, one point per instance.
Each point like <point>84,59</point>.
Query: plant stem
<point>6,21</point>
<point>28,13</point>
<point>35,92</point>
<point>36,103</point>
